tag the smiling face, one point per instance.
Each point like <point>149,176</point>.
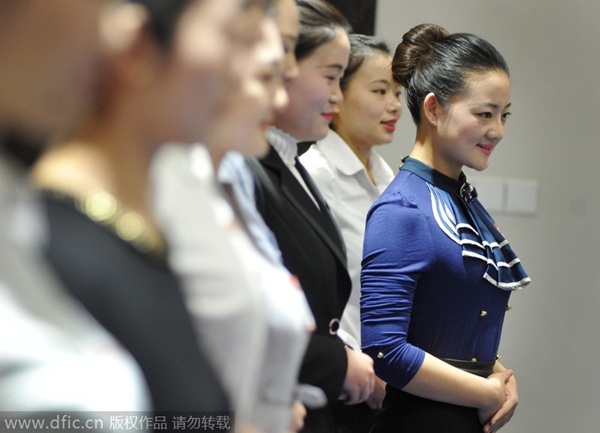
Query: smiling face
<point>49,55</point>
<point>371,106</point>
<point>471,126</point>
<point>316,90</point>
<point>244,123</point>
<point>199,77</point>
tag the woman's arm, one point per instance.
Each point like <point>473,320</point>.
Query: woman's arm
<point>437,380</point>
<point>398,251</point>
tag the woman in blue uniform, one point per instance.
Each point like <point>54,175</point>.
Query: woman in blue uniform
<point>437,274</point>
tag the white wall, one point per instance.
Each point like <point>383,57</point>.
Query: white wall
<point>552,336</point>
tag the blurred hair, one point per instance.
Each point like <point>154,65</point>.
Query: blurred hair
<point>163,15</point>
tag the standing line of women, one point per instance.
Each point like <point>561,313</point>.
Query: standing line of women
<point>307,234</point>
<point>351,176</point>
<point>104,241</point>
<point>249,311</point>
<point>182,257</point>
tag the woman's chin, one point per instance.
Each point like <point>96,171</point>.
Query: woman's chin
<point>257,145</point>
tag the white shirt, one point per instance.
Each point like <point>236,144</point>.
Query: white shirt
<point>344,183</point>
<point>287,148</point>
<point>234,171</point>
<point>53,354</point>
<point>252,318</point>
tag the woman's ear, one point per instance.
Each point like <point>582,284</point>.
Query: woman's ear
<point>431,109</point>
<point>121,25</point>
<point>128,43</point>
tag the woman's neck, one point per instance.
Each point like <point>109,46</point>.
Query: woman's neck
<point>424,151</point>
<point>108,156</point>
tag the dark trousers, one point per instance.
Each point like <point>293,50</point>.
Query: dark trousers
<point>357,418</point>
<point>340,418</point>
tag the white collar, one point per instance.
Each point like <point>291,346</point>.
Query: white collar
<point>21,214</point>
<point>285,145</point>
<point>339,153</point>
<point>345,160</point>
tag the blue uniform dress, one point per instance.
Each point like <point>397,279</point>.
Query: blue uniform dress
<point>436,278</point>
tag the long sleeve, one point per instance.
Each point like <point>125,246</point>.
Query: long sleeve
<point>419,294</point>
<point>397,250</point>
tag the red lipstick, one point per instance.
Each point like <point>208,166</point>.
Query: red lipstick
<point>390,125</point>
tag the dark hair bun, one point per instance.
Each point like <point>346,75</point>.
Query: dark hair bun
<point>415,47</point>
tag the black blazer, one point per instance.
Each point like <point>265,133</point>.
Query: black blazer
<point>313,250</point>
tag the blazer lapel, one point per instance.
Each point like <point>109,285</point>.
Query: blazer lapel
<point>295,193</point>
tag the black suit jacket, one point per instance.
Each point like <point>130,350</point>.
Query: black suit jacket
<point>313,250</point>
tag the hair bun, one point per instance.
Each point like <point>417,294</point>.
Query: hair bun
<point>415,47</point>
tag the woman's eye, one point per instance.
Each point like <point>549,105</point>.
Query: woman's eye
<point>506,115</point>
<point>270,76</point>
<point>486,115</point>
<point>267,78</point>
<point>380,91</point>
